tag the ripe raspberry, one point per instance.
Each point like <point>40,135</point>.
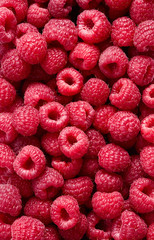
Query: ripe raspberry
<point>4,48</point>
<point>81,114</point>
<point>54,61</point>
<point>51,233</point>
<point>37,74</point>
<point>118,5</point>
<point>13,67</point>
<point>148,218</point>
<point>5,226</point>
<point>141,195</point>
<point>102,115</point>
<point>93,26</point>
<point>88,4</point>
<point>8,24</point>
<point>69,82</point>
<point>65,212</point>
<point>144,110</point>
<point>47,184</point>
<point>122,34</point>
<point>84,56</point>
<point>125,144</point>
<point>63,31</point>
<point>147,160</point>
<point>49,143</point>
<point>140,70</point>
<point>7,131</point>
<point>107,205</point>
<point>18,102</point>
<point>27,228</point>
<point>26,120</point>
<point>143,39</point>
<point>147,128</point>
<point>39,209</point>
<point>68,168</point>
<point>141,143</point>
<point>124,126</point>
<point>7,93</point>
<point>108,182</point>
<point>150,232</point>
<point>128,226</point>
<point>95,91</point>
<point>148,96</point>
<point>73,142</point>
<point>32,47</point>
<point>7,158</point>
<point>89,167</point>
<point>60,9</point>
<point>10,200</point>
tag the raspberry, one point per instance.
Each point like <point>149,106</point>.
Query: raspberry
<point>54,61</point>
<point>69,82</point>
<point>141,195</point>
<point>108,182</point>
<point>124,126</point>
<point>73,142</point>
<point>4,48</point>
<point>147,129</point>
<point>77,231</point>
<point>65,212</point>
<point>147,160</point>
<point>51,233</point>
<point>10,200</point>
<point>81,114</point>
<point>50,144</point>
<point>37,94</point>
<point>118,5</point>
<point>53,117</point>
<point>8,24</point>
<point>39,209</point>
<point>122,34</point>
<point>129,225</point>
<point>63,31</point>
<point>7,158</point>
<point>143,39</point>
<point>18,102</point>
<point>60,9</point>
<point>107,205</point>
<point>84,56</point>
<point>148,217</point>
<point>125,95</point>
<point>37,74</point>
<point>7,93</point>
<point>150,233</point>
<point>140,70</point>
<point>32,47</point>
<point>37,15</point>
<point>47,184</point>
<point>148,97</point>
<point>5,226</point>
<point>88,4</point>
<point>113,62</point>
<point>13,67</point>
<point>27,228</point>
<point>26,120</point>
<point>95,91</point>
<point>89,167</point>
<point>68,168</point>
<point>93,26</point>
<point>102,115</point>
<point>125,144</point>
<point>141,143</point>
<point>144,110</point>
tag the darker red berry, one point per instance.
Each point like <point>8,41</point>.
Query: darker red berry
<point>148,96</point>
<point>147,129</point>
<point>50,144</point>
<point>7,93</point>
<point>118,5</point>
<point>60,9</point>
<point>7,158</point>
<point>89,167</point>
<point>147,160</point>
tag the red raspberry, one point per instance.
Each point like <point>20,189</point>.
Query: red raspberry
<point>124,126</point>
<point>37,94</point>
<point>118,5</point>
<point>128,226</point>
<point>147,128</point>
<point>39,209</point>
<point>150,233</point>
<point>84,56</point>
<point>47,184</point>
<point>143,37</point>
<point>108,182</point>
<point>107,205</point>
<point>13,67</point>
<point>78,231</point>
<point>141,143</point>
<point>140,70</point>
<point>89,167</point>
<point>8,24</point>
<point>68,168</point>
<point>81,114</point>
<point>54,61</point>
<point>125,144</point>
<point>50,144</point>
<point>53,117</point>
<point>148,96</point>
<point>122,34</point>
<point>5,226</point>
<point>7,158</point>
<point>125,95</point>
<point>93,26</point>
<point>27,228</point>
<point>4,48</point>
<point>10,200</point>
<point>141,195</point>
<point>51,233</point>
<point>69,82</point>
<point>113,62</point>
<point>73,142</point>
<point>18,102</point>
<point>102,115</point>
<point>32,47</point>
<point>63,31</point>
<point>114,13</point>
<point>94,72</point>
<point>88,4</point>
<point>65,212</point>
<point>95,91</point>
<point>26,120</point>
<point>148,217</point>
<point>7,93</point>
<point>37,74</point>
<point>147,160</point>
<point>144,110</point>
<point>60,9</point>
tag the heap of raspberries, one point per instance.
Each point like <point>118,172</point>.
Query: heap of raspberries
<point>76,119</point>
